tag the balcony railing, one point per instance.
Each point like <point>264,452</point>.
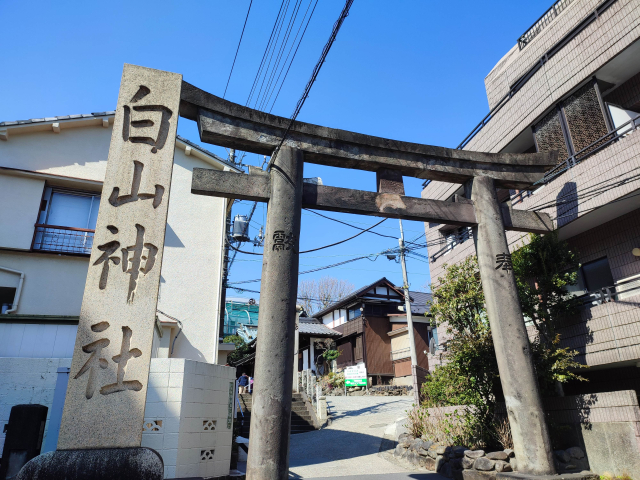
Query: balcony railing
<point>400,354</point>
<point>52,238</point>
<point>591,149</point>
<point>539,25</point>
<point>452,241</point>
<point>621,290</point>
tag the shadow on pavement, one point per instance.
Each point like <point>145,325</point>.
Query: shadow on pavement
<point>378,408</point>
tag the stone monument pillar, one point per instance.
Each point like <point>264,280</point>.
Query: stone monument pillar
<point>101,427</point>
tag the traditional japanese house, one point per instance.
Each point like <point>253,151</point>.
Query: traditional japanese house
<point>373,325</point>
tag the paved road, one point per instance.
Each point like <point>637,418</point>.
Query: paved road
<point>350,446</point>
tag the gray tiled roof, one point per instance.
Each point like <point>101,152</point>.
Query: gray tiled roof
<point>53,119</point>
<point>353,295</point>
<point>105,114</point>
<point>419,302</point>
<point>313,326</point>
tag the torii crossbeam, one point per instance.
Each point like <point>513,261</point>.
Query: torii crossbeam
<point>231,125</point>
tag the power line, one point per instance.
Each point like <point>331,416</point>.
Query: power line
<point>346,239</point>
<point>314,75</point>
<point>237,49</point>
<point>273,29</point>
<point>294,54</point>
<point>349,225</point>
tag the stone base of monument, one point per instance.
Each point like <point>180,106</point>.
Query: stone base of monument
<point>95,464</point>
<point>559,476</point>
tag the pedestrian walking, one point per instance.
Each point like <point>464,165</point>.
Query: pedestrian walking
<point>243,383</point>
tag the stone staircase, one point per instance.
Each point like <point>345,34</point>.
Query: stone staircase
<point>301,419</point>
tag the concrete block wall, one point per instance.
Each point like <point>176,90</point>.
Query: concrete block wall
<point>606,425</point>
<point>186,417</point>
<point>27,380</point>
<point>617,28</point>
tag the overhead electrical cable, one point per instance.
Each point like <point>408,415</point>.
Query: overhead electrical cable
<point>237,49</point>
<point>294,55</point>
<point>283,45</point>
<point>272,50</point>
<point>349,225</point>
<point>314,76</point>
<point>264,55</point>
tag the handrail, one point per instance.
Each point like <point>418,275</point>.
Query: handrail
<point>610,293</point>
<point>459,238</point>
<point>74,229</point>
<point>545,19</point>
<point>524,78</point>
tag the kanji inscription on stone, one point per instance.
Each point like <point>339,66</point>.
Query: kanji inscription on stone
<point>107,389</point>
<point>503,261</point>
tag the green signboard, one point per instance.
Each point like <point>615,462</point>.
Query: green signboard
<point>356,382</point>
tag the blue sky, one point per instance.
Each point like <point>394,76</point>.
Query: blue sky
<point>407,70</point>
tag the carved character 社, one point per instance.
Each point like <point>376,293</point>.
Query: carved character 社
<point>96,360</point>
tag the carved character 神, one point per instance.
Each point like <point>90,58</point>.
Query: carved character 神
<point>133,258</point>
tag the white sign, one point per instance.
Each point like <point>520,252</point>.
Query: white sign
<point>356,376</point>
<point>357,371</point>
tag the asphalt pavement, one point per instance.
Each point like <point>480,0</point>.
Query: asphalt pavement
<point>352,446</point>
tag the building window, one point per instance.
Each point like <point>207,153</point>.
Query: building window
<point>597,274</point>
<point>354,312</point>
<point>67,221</point>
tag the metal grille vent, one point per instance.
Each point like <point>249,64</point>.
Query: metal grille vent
<point>584,118</point>
<point>549,136</point>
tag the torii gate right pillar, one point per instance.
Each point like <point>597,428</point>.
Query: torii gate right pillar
<point>524,405</point>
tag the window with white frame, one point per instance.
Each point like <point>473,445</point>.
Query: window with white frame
<point>67,221</point>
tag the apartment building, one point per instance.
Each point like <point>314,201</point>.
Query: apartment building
<point>572,84</point>
<point>51,174</point>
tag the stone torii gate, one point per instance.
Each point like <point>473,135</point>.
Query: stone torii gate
<point>231,125</point>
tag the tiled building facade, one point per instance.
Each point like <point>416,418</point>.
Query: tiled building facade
<point>575,88</point>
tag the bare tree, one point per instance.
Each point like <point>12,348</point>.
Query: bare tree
<point>314,295</point>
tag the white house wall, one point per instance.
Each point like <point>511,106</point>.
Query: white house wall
<point>190,282</point>
<point>20,199</point>
<point>74,152</point>
<point>54,284</point>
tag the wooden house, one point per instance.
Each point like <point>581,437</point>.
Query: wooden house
<point>373,325</point>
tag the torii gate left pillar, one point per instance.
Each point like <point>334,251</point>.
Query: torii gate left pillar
<point>271,409</point>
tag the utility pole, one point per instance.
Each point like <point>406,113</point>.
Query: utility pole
<point>225,261</point>
<point>407,300</point>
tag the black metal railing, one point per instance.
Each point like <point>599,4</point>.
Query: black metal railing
<point>591,149</point>
<point>545,19</point>
<point>52,238</point>
<point>611,293</point>
<point>452,240</point>
<point>525,77</point>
